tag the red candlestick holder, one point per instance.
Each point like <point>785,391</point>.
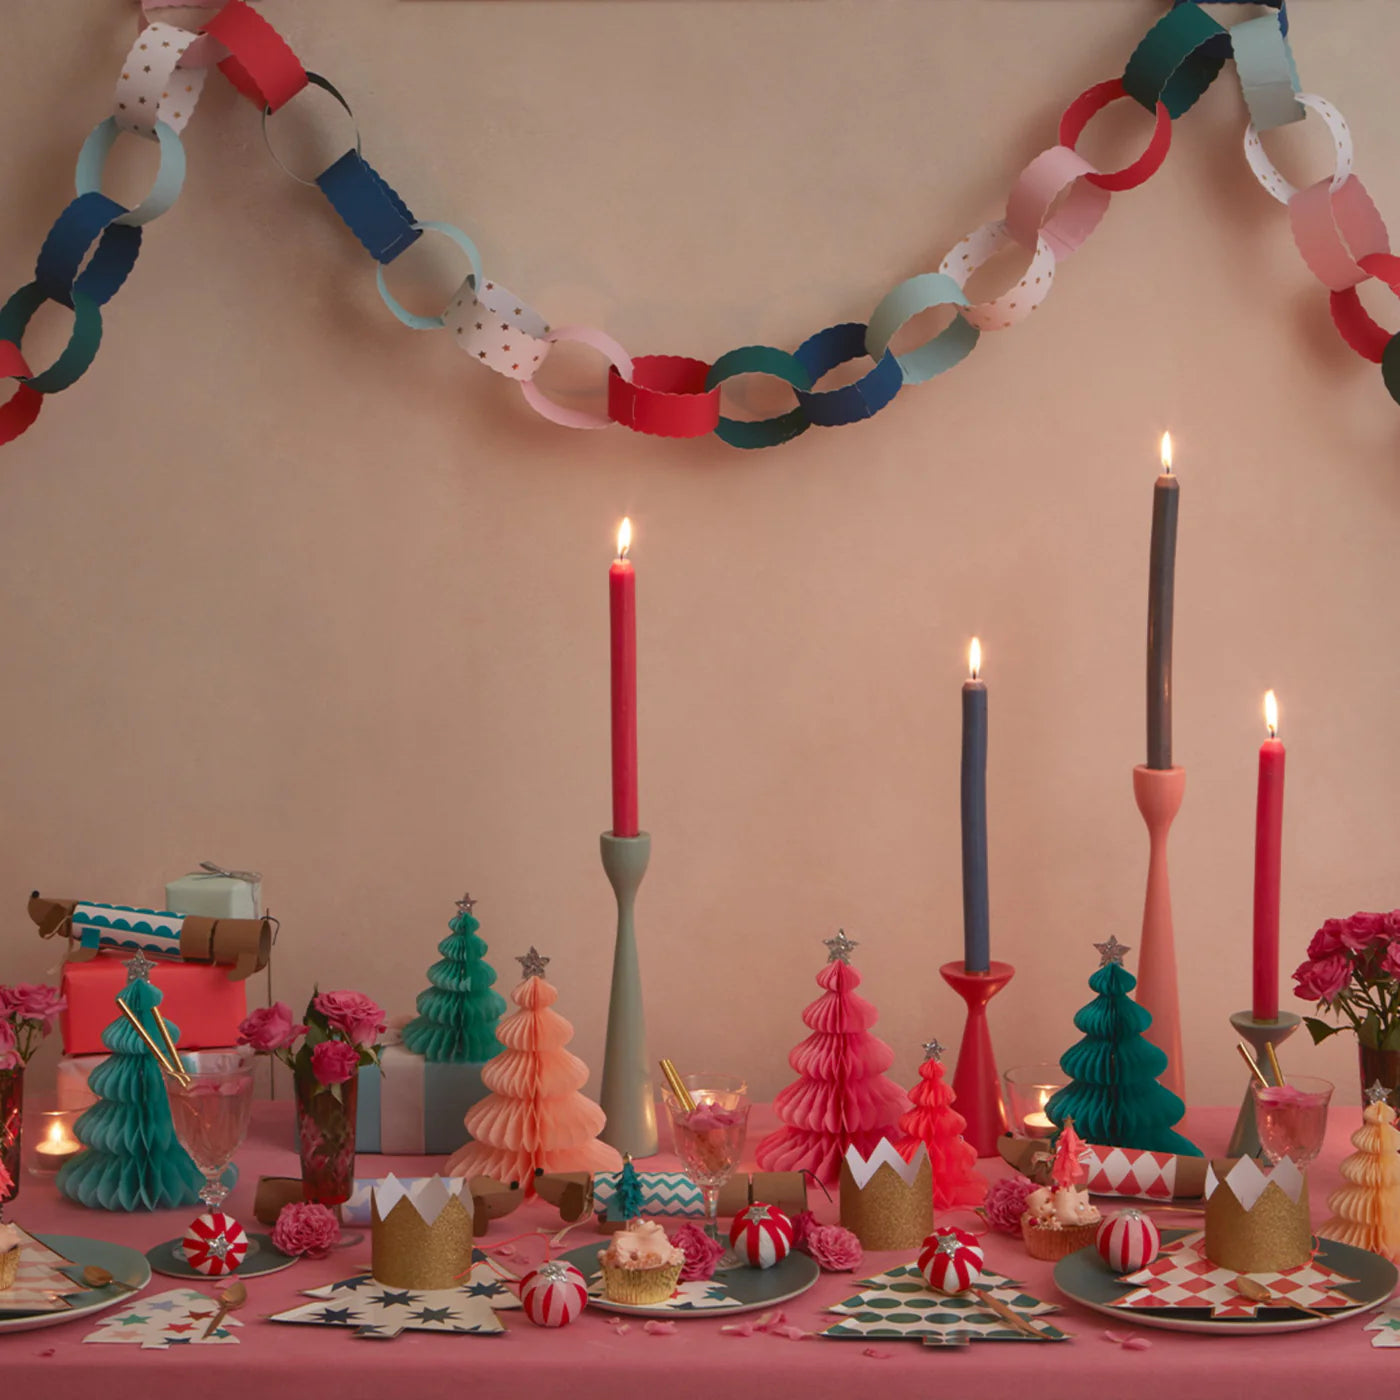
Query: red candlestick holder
<point>976,1083</point>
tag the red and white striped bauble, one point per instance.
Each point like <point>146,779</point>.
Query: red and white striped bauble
<point>1128,1241</point>
<point>761,1235</point>
<point>951,1260</point>
<point>214,1244</point>
<point>554,1294</point>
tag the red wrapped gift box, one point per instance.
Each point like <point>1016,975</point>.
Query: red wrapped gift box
<point>199,998</point>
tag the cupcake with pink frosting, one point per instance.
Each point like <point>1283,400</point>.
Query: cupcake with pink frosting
<point>640,1265</point>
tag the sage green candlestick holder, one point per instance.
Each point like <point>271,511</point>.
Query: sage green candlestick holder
<point>1244,1141</point>
<point>627,1096</point>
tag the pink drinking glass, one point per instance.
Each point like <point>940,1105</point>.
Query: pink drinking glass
<point>709,1139</point>
<point>210,1113</point>
<point>1292,1118</point>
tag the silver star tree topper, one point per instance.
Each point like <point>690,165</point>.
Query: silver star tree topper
<point>138,968</point>
<point>532,964</point>
<point>1112,951</point>
<point>840,948</point>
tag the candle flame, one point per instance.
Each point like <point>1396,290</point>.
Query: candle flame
<point>1271,713</point>
<point>1044,1097</point>
<point>1166,452</point>
<point>624,537</point>
<point>56,1134</point>
<point>974,658</point>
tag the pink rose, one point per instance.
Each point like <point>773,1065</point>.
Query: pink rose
<point>702,1251</point>
<point>1328,939</point>
<point>354,1015</point>
<point>9,1056</point>
<point>35,1002</point>
<point>1390,959</point>
<point>7,1000</point>
<point>1320,979</point>
<point>1006,1203</point>
<point>1363,929</point>
<point>333,1062</point>
<point>270,1028</point>
<point>306,1227</point>
<point>834,1248</point>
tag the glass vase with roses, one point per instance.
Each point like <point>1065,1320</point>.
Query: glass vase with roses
<point>1353,970</point>
<point>28,1012</point>
<point>325,1054</point>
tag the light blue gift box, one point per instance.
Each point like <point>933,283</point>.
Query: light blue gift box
<point>413,1107</point>
<point>216,893</point>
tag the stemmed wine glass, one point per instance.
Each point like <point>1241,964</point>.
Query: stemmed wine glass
<point>709,1138</point>
<point>209,1110</point>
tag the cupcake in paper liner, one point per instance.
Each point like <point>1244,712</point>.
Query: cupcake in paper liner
<point>1058,1223</point>
<point>11,1240</point>
<point>640,1265</point>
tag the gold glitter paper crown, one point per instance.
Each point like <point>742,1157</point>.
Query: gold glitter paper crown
<point>421,1232</point>
<point>1256,1218</point>
<point>887,1202</point>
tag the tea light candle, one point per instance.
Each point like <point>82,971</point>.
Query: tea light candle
<point>1038,1124</point>
<point>56,1142</point>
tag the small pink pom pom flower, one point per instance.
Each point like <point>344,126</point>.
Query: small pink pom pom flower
<point>834,1248</point>
<point>702,1251</point>
<point>1006,1203</point>
<point>306,1228</point>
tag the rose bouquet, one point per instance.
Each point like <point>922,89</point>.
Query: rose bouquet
<point>341,1034</point>
<point>1353,970</point>
<point>27,1014</point>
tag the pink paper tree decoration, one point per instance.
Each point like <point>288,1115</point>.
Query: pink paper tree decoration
<point>534,1119</point>
<point>937,1125</point>
<point>1069,1169</point>
<point>841,1096</point>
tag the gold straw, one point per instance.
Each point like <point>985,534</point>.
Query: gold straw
<point>1252,1063</point>
<point>150,1042</point>
<point>1273,1062</point>
<point>164,1028</point>
<point>682,1095</point>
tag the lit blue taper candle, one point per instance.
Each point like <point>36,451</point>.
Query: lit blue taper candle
<point>976,915</point>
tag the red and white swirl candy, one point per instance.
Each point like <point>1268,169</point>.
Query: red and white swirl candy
<point>951,1260</point>
<point>554,1294</point>
<point>761,1235</point>
<point>1128,1241</point>
<point>214,1244</point>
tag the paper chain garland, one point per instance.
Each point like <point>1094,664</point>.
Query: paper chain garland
<point>1057,202</point>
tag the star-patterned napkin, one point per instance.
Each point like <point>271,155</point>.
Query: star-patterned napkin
<point>693,1296</point>
<point>380,1313</point>
<point>177,1318</point>
<point>1386,1325</point>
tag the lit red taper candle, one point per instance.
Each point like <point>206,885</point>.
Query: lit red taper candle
<point>1268,862</point>
<point>622,612</point>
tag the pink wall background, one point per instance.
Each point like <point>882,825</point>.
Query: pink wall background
<point>285,585</point>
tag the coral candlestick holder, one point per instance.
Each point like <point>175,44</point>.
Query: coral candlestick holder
<point>1244,1141</point>
<point>1159,792</point>
<point>626,1095</point>
<point>976,1082</point>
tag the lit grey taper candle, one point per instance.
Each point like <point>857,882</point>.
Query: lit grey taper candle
<point>976,917</point>
<point>1161,590</point>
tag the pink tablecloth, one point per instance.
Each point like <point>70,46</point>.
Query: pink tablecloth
<point>588,1361</point>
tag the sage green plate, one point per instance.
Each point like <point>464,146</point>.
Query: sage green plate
<point>123,1263</point>
<point>263,1257</point>
<point>1085,1277</point>
<point>734,1291</point>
